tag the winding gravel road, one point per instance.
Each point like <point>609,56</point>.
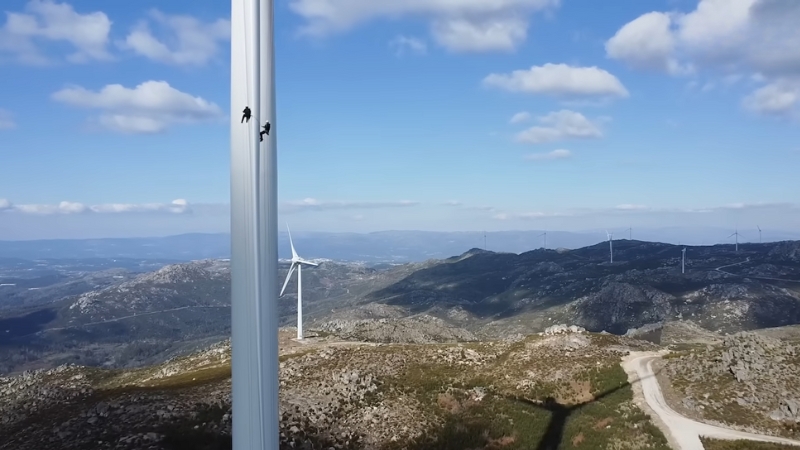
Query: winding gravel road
<point>683,433</point>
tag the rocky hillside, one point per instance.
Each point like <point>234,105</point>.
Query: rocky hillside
<point>348,396</point>
<point>155,315</point>
<point>180,307</point>
<point>721,290</point>
<point>748,380</point>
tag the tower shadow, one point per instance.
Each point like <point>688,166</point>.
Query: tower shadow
<point>559,414</point>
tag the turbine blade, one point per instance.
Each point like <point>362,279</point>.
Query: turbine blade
<point>291,244</point>
<point>308,263</point>
<point>288,276</point>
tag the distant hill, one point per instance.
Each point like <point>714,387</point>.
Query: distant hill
<point>377,247</point>
<point>146,317</point>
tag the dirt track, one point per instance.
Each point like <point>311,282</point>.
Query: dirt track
<point>683,433</point>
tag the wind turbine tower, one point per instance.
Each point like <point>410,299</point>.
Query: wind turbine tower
<point>759,233</point>
<point>736,233</point>
<point>297,262</point>
<point>610,245</point>
<point>545,239</point>
<point>630,233</point>
<point>683,260</point>
<point>254,228</point>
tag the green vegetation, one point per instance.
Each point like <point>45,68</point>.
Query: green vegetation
<point>500,420</point>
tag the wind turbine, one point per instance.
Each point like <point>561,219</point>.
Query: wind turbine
<point>610,245</point>
<point>683,260</point>
<point>630,233</point>
<point>759,233</point>
<point>297,262</point>
<point>736,233</point>
<point>545,239</point>
<point>254,228</point>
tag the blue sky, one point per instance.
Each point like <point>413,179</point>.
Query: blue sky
<point>399,115</point>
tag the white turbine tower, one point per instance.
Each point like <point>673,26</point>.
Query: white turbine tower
<point>759,233</point>
<point>683,260</point>
<point>297,262</point>
<point>610,245</point>
<point>545,239</point>
<point>254,228</point>
<point>630,233</point>
<point>736,233</point>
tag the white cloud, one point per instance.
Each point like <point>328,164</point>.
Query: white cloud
<point>179,206</point>
<point>151,107</point>
<point>777,98</point>
<point>470,35</point>
<point>460,26</point>
<point>453,203</point>
<point>560,80</point>
<point>404,44</point>
<point>647,42</point>
<point>520,117</point>
<point>626,209</point>
<point>549,156</point>
<point>311,204</point>
<point>47,20</point>
<point>6,120</point>
<point>630,207</point>
<point>560,125</point>
<point>529,215</point>
<point>759,37</point>
<point>185,39</point>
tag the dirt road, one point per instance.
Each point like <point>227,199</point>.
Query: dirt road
<point>683,433</point>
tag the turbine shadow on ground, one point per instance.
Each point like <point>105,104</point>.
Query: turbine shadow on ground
<point>559,414</point>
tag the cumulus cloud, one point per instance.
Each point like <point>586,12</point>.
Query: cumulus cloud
<point>403,44</point>
<point>549,156</point>
<point>647,42</point>
<point>311,204</point>
<point>467,26</point>
<point>6,120</point>
<point>184,40</point>
<point>760,37</point>
<point>560,80</point>
<point>49,21</point>
<point>777,98</point>
<point>179,206</point>
<point>150,107</point>
<point>560,125</point>
<point>520,117</point>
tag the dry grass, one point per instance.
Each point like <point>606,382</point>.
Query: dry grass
<point>714,444</point>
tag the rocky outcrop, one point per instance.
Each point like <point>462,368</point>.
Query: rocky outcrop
<point>620,306</point>
<point>422,329</point>
<point>563,329</point>
<point>758,373</point>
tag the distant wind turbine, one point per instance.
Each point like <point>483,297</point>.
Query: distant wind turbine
<point>736,233</point>
<point>484,241</point>
<point>610,245</point>
<point>297,262</point>
<point>683,260</point>
<point>545,239</point>
<point>630,233</point>
<point>759,233</point>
